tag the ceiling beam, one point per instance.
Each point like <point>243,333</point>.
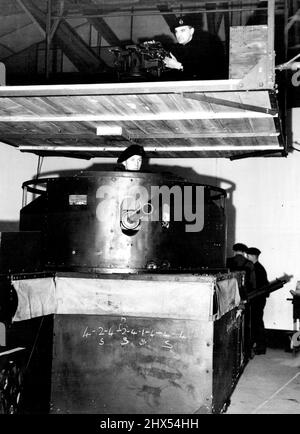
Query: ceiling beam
<point>10,8</point>
<point>105,31</point>
<point>170,18</point>
<point>74,47</point>
<point>97,22</point>
<point>7,48</point>
<point>40,27</point>
<point>137,7</point>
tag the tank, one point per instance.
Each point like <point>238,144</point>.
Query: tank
<point>126,222</point>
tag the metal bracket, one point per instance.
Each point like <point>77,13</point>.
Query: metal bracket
<point>264,153</point>
<point>227,103</point>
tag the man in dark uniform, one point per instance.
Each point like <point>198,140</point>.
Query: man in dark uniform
<point>239,262</point>
<point>198,54</point>
<point>258,303</point>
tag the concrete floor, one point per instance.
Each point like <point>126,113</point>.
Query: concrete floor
<point>270,384</point>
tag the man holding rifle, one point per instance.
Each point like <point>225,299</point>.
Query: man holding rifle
<point>258,303</point>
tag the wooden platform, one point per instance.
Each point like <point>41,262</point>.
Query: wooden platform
<point>228,118</point>
<point>170,119</point>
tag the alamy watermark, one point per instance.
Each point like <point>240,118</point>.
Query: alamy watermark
<point>156,203</point>
<point>296,78</point>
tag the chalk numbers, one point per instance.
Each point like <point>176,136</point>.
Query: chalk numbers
<point>126,335</point>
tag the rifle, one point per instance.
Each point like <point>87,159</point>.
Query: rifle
<point>271,287</point>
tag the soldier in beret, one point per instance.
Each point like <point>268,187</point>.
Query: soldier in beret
<point>198,54</point>
<point>258,303</point>
<point>239,262</point>
<point>130,208</point>
<point>132,157</point>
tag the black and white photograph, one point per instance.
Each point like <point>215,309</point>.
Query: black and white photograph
<point>150,212</point>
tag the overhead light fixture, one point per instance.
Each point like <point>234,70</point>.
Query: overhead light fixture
<point>115,130</point>
<point>112,130</point>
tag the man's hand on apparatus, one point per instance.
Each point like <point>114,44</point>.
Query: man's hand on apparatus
<point>172,63</point>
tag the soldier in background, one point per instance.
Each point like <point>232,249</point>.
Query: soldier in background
<point>258,303</point>
<point>240,262</point>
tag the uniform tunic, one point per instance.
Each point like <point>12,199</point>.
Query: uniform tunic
<point>240,263</point>
<point>257,310</point>
<point>202,58</point>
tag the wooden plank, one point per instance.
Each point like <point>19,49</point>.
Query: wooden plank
<point>162,135</point>
<point>121,88</point>
<point>231,154</point>
<point>247,46</point>
<point>131,104</point>
<point>150,128</point>
<point>136,117</point>
<point>251,57</point>
<point>162,143</point>
<point>73,105</point>
<point>149,148</point>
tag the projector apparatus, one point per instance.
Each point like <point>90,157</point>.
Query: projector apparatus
<point>140,60</point>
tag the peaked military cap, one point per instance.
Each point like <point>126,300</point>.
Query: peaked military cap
<point>253,251</point>
<point>130,151</point>
<point>187,20</point>
<point>239,247</point>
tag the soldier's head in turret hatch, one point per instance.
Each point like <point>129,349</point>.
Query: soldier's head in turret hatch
<point>132,158</point>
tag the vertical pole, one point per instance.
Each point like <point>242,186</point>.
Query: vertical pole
<point>48,38</point>
<point>284,78</point>
<point>286,30</point>
<point>131,23</point>
<point>271,33</point>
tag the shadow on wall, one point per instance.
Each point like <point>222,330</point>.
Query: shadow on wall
<point>187,173</point>
<point>190,175</point>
